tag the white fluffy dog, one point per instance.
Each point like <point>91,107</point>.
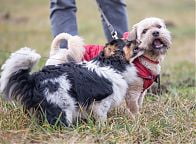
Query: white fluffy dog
<point>155,39</point>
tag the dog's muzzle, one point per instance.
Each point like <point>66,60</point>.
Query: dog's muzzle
<point>155,34</point>
<point>158,44</point>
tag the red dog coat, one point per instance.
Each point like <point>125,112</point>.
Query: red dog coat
<point>144,73</point>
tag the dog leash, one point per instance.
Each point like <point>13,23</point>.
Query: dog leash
<point>109,25</point>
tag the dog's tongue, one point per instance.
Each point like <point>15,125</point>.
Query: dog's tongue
<point>158,43</point>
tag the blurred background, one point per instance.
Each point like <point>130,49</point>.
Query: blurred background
<point>165,119</point>
<point>26,23</point>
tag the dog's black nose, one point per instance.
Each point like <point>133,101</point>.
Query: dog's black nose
<point>155,33</point>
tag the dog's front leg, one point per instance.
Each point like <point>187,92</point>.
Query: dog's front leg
<point>100,111</point>
<point>69,117</point>
<point>132,98</point>
<point>132,103</point>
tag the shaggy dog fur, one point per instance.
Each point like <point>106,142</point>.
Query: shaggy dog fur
<point>74,50</point>
<point>155,39</point>
<point>151,35</point>
<point>68,91</point>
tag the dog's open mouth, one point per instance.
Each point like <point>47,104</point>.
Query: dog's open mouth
<point>158,44</point>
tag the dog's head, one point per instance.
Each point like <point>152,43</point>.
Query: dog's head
<point>122,49</point>
<point>152,35</point>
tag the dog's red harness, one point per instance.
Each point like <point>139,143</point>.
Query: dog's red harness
<point>145,73</point>
<point>147,76</point>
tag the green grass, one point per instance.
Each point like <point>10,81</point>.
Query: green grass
<point>168,118</point>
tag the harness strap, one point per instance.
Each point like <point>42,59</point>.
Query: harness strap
<point>152,61</point>
<point>109,25</point>
<point>145,74</point>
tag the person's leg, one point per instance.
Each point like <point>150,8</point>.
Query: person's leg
<point>63,18</point>
<point>116,13</point>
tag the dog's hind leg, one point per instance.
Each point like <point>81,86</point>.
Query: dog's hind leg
<point>69,117</point>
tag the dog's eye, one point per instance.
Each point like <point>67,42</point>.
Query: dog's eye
<point>159,26</point>
<point>135,49</point>
<point>144,31</point>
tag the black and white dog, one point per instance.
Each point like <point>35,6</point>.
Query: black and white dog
<point>63,92</point>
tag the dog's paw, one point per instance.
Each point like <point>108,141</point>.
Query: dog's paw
<point>131,115</point>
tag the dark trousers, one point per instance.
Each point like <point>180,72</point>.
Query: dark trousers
<point>63,16</point>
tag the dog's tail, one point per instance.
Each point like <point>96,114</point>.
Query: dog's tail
<point>75,49</point>
<point>15,81</point>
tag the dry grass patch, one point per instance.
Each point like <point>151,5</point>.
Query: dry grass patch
<point>165,118</point>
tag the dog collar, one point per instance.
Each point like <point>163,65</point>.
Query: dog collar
<point>152,61</point>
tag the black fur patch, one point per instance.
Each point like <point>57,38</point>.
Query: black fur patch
<point>86,85</point>
<point>30,92</point>
<point>117,61</point>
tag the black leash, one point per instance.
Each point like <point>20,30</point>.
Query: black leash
<point>109,25</point>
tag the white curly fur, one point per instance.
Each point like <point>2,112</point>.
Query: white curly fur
<point>25,58</point>
<point>135,94</point>
<point>59,55</point>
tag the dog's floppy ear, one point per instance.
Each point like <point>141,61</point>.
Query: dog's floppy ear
<point>133,34</point>
<point>128,50</point>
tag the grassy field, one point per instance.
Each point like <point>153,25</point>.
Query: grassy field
<point>168,118</point>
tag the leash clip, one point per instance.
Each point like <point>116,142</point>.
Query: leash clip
<point>110,27</point>
<point>114,35</point>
